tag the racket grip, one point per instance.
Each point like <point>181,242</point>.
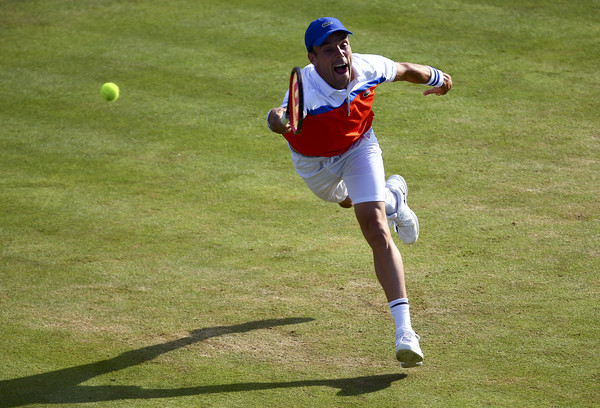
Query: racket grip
<point>285,119</point>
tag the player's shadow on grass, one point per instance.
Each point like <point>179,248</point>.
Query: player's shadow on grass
<point>64,386</point>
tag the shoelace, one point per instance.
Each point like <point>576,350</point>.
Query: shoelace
<point>407,337</point>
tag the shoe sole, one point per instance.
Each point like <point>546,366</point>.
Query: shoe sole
<point>405,192</point>
<point>408,358</point>
<point>416,224</point>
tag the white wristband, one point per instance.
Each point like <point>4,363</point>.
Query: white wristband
<point>436,77</point>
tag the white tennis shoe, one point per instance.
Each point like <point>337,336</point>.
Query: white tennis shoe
<point>408,351</point>
<point>404,221</point>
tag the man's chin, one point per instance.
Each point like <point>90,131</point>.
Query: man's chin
<point>342,80</point>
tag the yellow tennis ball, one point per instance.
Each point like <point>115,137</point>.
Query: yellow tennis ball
<point>109,91</point>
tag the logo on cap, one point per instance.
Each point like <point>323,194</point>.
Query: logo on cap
<point>327,23</point>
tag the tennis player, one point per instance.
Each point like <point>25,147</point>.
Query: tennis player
<point>339,158</point>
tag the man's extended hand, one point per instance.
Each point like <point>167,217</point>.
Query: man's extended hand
<point>275,119</point>
<point>441,90</point>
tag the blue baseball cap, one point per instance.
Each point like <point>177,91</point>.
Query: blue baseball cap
<point>318,31</point>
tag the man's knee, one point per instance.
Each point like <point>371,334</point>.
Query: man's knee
<point>377,234</point>
<point>374,224</point>
<point>347,203</point>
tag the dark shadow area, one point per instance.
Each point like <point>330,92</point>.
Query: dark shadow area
<point>62,386</point>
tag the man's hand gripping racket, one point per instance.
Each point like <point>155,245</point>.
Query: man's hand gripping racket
<point>295,109</point>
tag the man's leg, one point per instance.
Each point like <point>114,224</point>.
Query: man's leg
<point>347,203</point>
<point>390,272</point>
<point>388,261</point>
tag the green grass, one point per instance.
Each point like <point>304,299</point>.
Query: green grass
<point>161,251</point>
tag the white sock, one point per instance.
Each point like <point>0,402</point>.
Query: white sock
<point>401,314</point>
<point>390,202</point>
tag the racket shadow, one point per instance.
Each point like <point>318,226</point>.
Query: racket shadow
<point>63,386</point>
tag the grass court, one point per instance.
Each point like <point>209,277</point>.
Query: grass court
<point>160,251</point>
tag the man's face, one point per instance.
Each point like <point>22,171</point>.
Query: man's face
<point>333,60</point>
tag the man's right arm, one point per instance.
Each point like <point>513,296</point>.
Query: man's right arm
<point>274,121</point>
<point>421,74</point>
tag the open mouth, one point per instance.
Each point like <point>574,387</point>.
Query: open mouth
<point>341,69</point>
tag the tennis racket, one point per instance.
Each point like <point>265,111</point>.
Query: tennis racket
<point>295,108</point>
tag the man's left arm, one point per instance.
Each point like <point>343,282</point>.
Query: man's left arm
<point>423,74</point>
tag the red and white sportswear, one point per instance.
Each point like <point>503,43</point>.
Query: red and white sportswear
<point>336,118</point>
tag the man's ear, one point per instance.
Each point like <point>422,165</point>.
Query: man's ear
<point>312,58</point>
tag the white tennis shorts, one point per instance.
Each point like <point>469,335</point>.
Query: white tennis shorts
<point>357,173</point>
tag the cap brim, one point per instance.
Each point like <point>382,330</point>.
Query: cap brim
<point>322,38</point>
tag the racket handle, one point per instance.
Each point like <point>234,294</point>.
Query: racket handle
<point>285,119</point>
